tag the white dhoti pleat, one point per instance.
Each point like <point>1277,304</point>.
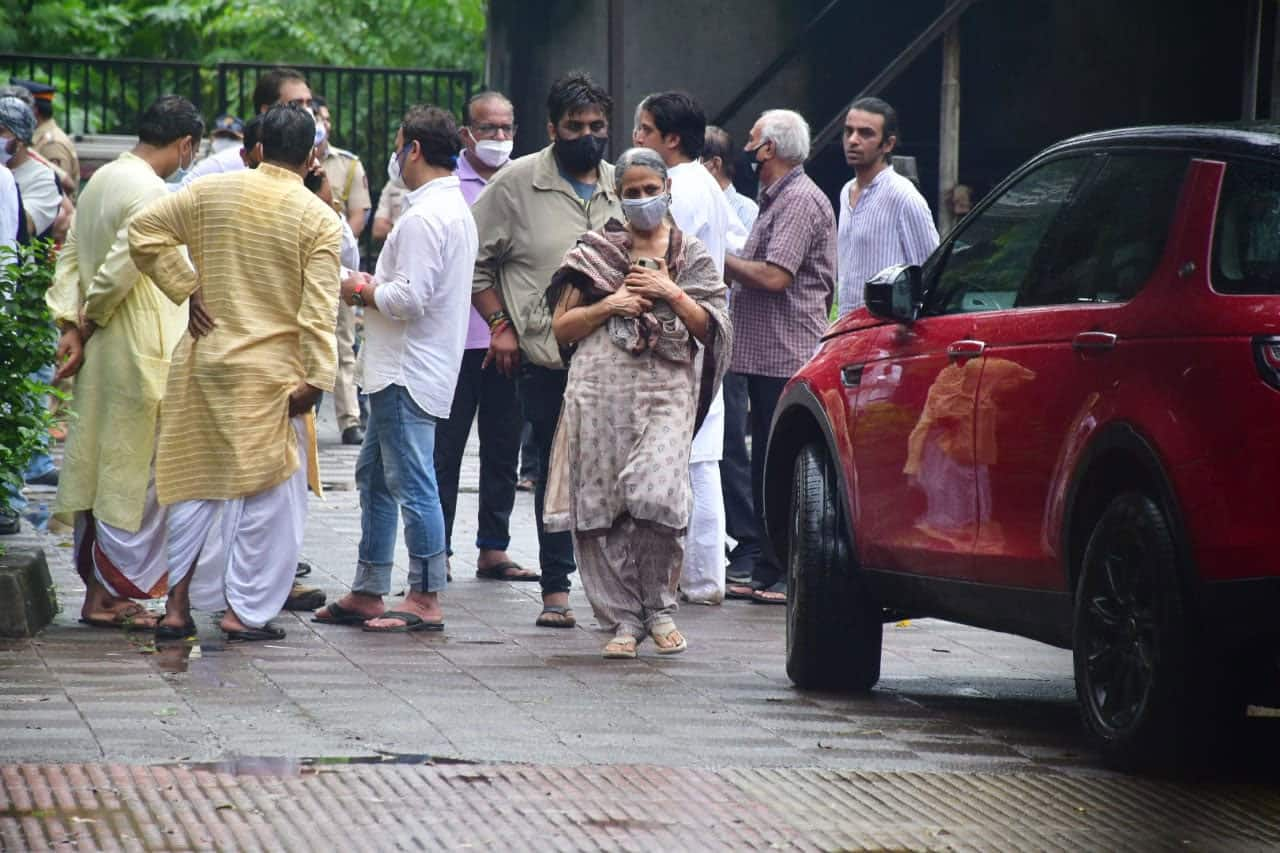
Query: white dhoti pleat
<point>130,564</point>
<point>702,578</point>
<point>244,551</point>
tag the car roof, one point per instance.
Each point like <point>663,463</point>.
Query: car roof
<point>1257,139</point>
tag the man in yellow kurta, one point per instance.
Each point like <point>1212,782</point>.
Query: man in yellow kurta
<point>265,252</point>
<point>117,333</point>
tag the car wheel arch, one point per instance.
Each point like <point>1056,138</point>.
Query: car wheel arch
<point>1119,458</point>
<point>798,420</point>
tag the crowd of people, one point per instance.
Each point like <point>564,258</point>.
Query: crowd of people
<point>639,319</point>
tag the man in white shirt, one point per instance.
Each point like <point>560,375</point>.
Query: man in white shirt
<point>674,125</point>
<point>416,309</point>
<point>41,199</point>
<point>9,210</point>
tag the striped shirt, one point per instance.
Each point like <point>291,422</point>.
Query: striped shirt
<point>774,334</point>
<point>891,225</point>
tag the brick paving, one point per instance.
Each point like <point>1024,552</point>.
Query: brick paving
<point>958,710</point>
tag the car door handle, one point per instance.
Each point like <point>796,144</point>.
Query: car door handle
<point>1093,341</point>
<point>966,349</point>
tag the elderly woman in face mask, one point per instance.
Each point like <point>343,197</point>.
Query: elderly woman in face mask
<point>641,318</point>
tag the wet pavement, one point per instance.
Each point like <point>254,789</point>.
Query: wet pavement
<point>496,733</point>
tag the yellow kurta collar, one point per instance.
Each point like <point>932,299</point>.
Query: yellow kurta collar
<point>279,172</point>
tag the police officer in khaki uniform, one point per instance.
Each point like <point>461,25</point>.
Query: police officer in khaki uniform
<point>50,142</point>
<point>350,187</point>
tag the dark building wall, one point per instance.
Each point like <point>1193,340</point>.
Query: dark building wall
<point>1032,71</point>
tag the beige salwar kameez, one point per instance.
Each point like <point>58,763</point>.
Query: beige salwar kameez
<point>620,463</point>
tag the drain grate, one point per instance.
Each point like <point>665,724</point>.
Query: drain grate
<point>620,807</point>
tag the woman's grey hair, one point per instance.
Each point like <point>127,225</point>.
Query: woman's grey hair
<point>789,133</point>
<point>644,157</point>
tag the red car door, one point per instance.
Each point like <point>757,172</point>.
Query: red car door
<point>1054,359</point>
<point>916,506</point>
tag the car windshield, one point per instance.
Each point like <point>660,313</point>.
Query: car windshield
<point>1246,244</point>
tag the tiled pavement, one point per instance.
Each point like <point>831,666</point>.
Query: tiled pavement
<point>969,704</point>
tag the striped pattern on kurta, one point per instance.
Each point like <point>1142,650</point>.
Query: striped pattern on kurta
<point>265,252</point>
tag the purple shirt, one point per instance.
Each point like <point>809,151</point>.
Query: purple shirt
<point>472,184</point>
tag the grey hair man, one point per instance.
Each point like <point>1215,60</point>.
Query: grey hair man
<point>781,295</point>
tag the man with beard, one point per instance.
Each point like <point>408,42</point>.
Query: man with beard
<point>532,212</point>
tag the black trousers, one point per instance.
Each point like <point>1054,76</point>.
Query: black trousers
<point>490,398</point>
<point>763,393</point>
<point>735,479</point>
<point>541,392</point>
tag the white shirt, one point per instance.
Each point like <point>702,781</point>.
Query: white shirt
<point>416,337</point>
<point>8,209</point>
<point>40,196</point>
<point>700,209</point>
<point>891,225</point>
<point>745,209</point>
<point>227,160</point>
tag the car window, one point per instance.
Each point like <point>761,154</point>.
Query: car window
<point>985,265</point>
<point>1114,235</point>
<point>1246,242</point>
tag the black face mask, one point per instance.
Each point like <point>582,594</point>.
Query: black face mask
<point>580,155</point>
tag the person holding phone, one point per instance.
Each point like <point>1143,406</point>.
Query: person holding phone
<point>634,306</point>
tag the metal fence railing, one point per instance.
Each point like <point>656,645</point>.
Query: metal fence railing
<point>106,96</point>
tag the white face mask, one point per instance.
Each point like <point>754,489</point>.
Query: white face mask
<point>494,152</point>
<point>222,143</point>
<point>646,213</point>
<point>7,146</point>
<point>393,168</point>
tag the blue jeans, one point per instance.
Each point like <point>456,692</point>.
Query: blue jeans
<point>41,463</point>
<point>396,473</point>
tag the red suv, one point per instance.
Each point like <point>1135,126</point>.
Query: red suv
<point>1065,425</point>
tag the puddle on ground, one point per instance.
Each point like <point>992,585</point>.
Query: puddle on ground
<point>309,766</point>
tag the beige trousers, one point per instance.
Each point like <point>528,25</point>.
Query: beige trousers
<point>630,573</point>
<point>346,407</point>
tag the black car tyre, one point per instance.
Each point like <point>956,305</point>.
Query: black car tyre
<point>1146,691</point>
<point>834,628</point>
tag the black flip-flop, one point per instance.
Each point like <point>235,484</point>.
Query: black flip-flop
<point>761,595</point>
<point>182,632</point>
<point>255,635</point>
<point>499,573</point>
<point>339,615</point>
<point>119,623</point>
<point>741,591</point>
<point>412,622</point>
<point>557,610</point>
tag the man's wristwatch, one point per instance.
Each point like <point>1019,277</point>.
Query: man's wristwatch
<point>357,298</point>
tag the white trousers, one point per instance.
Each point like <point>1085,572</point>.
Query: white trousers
<point>244,551</point>
<point>129,564</point>
<point>702,579</point>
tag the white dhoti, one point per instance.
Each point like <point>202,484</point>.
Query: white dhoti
<point>130,564</point>
<point>244,551</point>
<point>702,578</point>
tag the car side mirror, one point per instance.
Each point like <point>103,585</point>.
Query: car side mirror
<point>895,293</point>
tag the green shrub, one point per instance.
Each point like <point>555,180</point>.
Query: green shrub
<point>27,343</point>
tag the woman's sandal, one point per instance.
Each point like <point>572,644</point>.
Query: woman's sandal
<point>620,647</point>
<point>662,632</point>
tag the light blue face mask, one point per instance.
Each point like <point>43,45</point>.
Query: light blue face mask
<point>645,214</point>
<point>180,174</point>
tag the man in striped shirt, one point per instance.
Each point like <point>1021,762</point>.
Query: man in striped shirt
<point>883,218</point>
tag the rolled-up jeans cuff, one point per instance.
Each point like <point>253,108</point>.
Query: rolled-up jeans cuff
<point>372,578</point>
<point>494,544</point>
<point>430,574</point>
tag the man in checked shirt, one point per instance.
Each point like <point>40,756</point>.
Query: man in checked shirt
<point>782,286</point>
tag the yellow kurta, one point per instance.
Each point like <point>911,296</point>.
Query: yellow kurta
<point>265,251</point>
<point>117,392</point>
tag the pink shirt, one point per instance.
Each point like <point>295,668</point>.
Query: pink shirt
<point>472,184</point>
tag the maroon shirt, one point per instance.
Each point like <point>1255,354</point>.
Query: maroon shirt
<point>774,334</point>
